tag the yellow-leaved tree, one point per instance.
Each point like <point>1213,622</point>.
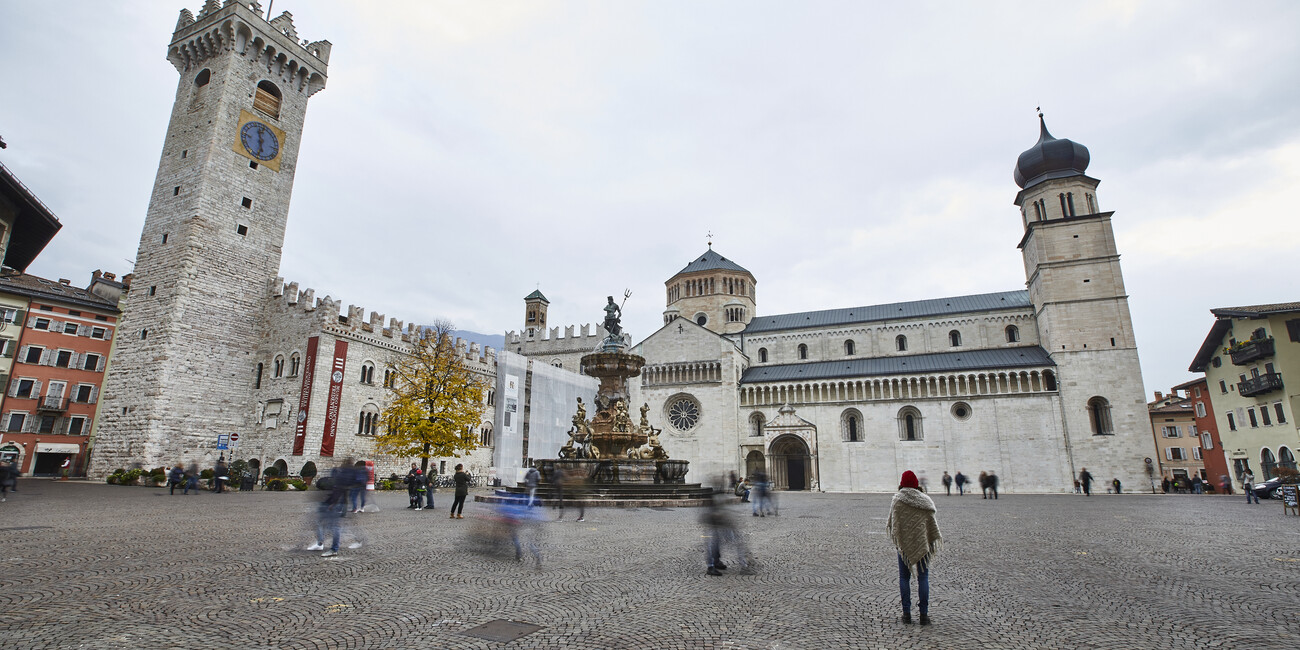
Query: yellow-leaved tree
<point>436,400</point>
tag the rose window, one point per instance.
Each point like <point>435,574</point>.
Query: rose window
<point>684,414</point>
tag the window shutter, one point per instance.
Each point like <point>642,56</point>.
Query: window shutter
<point>94,395</point>
<point>56,326</point>
<point>18,316</point>
<point>36,389</point>
<point>1169,454</point>
<point>31,322</point>
<point>46,359</point>
<point>13,387</point>
<point>108,335</point>
<point>72,361</point>
<point>83,330</point>
<point>22,352</point>
<point>99,367</point>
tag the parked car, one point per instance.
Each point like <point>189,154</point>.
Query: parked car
<point>1269,489</point>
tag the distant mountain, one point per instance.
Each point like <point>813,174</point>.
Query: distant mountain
<point>494,341</point>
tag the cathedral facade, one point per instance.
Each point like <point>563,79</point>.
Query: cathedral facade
<point>1032,384</point>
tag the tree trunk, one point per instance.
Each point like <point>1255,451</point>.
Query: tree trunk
<point>424,460</point>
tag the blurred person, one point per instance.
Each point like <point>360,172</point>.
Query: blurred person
<point>947,484</point>
<point>924,481</point>
<point>732,481</point>
<point>1116,484</point>
<point>329,519</point>
<point>531,479</point>
<point>191,479</point>
<point>175,478</point>
<point>960,480</point>
<point>410,485</point>
<point>1196,484</point>
<point>570,483</point>
<point>1164,485</point>
<point>984,484</point>
<point>358,476</point>
<point>993,484</point>
<point>1085,479</point>
<point>1225,484</point>
<point>523,528</point>
<point>915,533</point>
<point>720,530</point>
<point>762,494</point>
<point>461,479</point>
<point>8,478</point>
<point>220,474</point>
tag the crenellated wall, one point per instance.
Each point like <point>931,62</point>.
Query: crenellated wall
<point>550,347</point>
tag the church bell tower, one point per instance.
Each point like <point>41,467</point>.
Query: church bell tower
<point>182,369</point>
<point>1077,290</point>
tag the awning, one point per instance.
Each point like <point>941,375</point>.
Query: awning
<point>57,448</point>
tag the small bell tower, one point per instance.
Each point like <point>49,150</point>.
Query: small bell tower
<point>535,313</point>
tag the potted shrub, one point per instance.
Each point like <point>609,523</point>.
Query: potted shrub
<point>298,484</point>
<point>308,472</point>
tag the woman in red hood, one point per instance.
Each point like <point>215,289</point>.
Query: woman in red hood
<point>915,533</point>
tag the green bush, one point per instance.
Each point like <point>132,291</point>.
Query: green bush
<point>237,471</point>
<point>271,472</point>
<point>112,479</point>
<point>276,485</point>
<point>206,474</point>
<point>308,470</point>
<point>298,484</point>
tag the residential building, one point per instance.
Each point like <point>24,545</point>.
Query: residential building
<point>1249,356</point>
<point>1177,440</point>
<point>1197,391</point>
<point>62,352</point>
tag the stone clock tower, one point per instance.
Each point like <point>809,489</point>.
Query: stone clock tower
<point>182,369</point>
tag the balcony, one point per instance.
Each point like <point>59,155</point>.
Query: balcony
<point>52,404</point>
<point>1260,385</point>
<point>1251,351</point>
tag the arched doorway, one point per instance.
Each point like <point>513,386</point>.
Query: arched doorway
<point>255,468</point>
<point>789,463</point>
<point>282,467</point>
<point>754,463</point>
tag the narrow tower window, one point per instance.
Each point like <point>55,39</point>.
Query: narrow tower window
<point>848,348</point>
<point>901,342</point>
<point>1064,210</point>
<point>1013,334</point>
<point>203,78</point>
<point>803,351</point>
<point>1069,201</point>
<point>954,338</point>
<point>762,355</point>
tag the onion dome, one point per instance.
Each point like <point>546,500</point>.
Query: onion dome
<point>1050,158</point>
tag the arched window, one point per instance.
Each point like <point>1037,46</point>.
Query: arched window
<point>803,351</point>
<point>848,348</point>
<point>1267,463</point>
<point>756,423</point>
<point>267,98</point>
<point>1013,334</point>
<point>1049,380</point>
<point>368,420</point>
<point>851,426</point>
<point>1285,459</point>
<point>277,368</point>
<point>901,342</point>
<point>485,435</point>
<point>257,380</point>
<point>1092,204</point>
<point>762,355</point>
<point>1099,416</point>
<point>294,363</point>
<point>954,338</point>
<point>367,373</point>
<point>203,78</point>
<point>1069,202</point>
<point>909,424</point>
<point>1038,212</point>
<point>1064,211</point>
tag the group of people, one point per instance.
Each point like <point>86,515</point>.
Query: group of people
<point>988,484</point>
<point>421,489</point>
<point>758,486</point>
<point>187,478</point>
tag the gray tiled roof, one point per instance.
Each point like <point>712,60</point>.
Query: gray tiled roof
<point>710,261</point>
<point>39,288</point>
<point>892,311</point>
<point>997,359</point>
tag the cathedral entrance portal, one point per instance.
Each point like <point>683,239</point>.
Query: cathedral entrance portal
<point>790,463</point>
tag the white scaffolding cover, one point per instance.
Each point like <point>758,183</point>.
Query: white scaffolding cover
<point>552,403</point>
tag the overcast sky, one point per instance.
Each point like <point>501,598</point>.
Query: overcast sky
<point>846,153</point>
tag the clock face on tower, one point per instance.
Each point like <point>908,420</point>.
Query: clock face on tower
<point>259,140</point>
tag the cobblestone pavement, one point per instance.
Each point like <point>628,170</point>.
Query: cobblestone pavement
<point>100,566</point>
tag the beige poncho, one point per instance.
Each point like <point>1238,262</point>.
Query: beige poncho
<point>912,527</point>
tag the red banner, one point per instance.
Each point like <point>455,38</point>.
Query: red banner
<point>304,399</point>
<point>336,395</point>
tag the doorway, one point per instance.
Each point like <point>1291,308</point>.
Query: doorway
<point>790,463</point>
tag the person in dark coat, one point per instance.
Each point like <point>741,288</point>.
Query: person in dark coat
<point>960,480</point>
<point>993,484</point>
<point>461,479</point>
<point>947,484</point>
<point>176,477</point>
<point>8,478</point>
<point>1086,479</point>
<point>410,485</point>
<point>984,484</point>
<point>720,529</point>
<point>220,474</point>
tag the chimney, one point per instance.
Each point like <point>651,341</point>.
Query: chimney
<point>110,276</point>
<point>65,281</point>
<point>96,275</point>
<point>1159,396</point>
<point>126,279</point>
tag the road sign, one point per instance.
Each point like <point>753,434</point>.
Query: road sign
<point>223,441</point>
<point>234,437</point>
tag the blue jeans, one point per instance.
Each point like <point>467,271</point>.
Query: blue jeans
<point>1250,492</point>
<point>356,494</point>
<point>922,586</point>
<point>328,521</point>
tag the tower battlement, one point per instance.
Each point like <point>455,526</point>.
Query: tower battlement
<point>239,27</point>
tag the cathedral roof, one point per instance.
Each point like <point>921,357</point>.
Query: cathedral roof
<point>995,359</point>
<point>711,261</point>
<point>537,295</point>
<point>1050,158</point>
<point>891,311</point>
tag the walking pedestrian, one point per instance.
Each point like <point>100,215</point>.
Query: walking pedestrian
<point>1115,482</point>
<point>763,495</point>
<point>993,484</point>
<point>220,474</point>
<point>531,479</point>
<point>1086,480</point>
<point>176,478</point>
<point>410,486</point>
<point>1164,485</point>
<point>358,477</point>
<point>461,478</point>
<point>1078,487</point>
<point>984,484</point>
<point>960,480</point>
<point>573,482</point>
<point>720,530</point>
<point>915,533</point>
<point>1197,485</point>
<point>8,478</point>
<point>1225,484</point>
<point>1248,485</point>
<point>329,519</point>
<point>191,479</point>
<point>947,484</point>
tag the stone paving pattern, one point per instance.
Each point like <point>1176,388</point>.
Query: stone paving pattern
<point>97,566</point>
